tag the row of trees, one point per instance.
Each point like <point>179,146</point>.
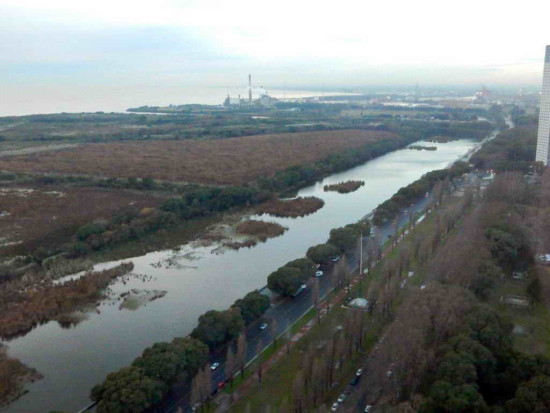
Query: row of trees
<point>219,327</point>
<point>144,383</point>
<point>287,279</point>
<point>407,195</point>
<point>195,202</point>
<point>301,175</point>
<point>216,328</point>
<point>203,201</point>
<point>425,129</point>
<point>321,367</point>
<point>448,352</point>
<point>513,149</point>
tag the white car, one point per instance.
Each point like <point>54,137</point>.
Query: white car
<point>368,408</point>
<point>341,398</point>
<point>319,273</point>
<point>263,326</point>
<point>359,372</point>
<point>334,407</point>
<point>214,366</point>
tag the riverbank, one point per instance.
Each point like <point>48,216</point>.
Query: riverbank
<point>197,281</point>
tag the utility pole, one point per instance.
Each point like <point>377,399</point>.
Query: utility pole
<point>361,257</point>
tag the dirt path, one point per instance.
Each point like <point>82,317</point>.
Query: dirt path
<point>36,149</point>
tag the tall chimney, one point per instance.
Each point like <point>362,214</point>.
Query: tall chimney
<point>250,88</point>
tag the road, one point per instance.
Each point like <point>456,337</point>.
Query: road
<point>285,313</point>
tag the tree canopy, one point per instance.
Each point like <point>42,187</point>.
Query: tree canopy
<point>286,280</point>
<point>252,306</point>
<point>217,327</point>
<point>322,253</point>
<point>128,390</point>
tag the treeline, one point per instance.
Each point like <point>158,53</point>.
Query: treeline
<point>512,149</point>
<point>302,175</point>
<point>288,279</point>
<point>478,368</point>
<point>217,328</point>
<point>142,184</point>
<point>418,129</point>
<point>321,366</point>
<point>195,203</point>
<point>150,377</point>
<point>200,201</point>
<point>22,309</point>
<point>450,352</point>
<point>407,195</point>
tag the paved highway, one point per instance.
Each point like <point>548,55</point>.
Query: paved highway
<point>285,313</point>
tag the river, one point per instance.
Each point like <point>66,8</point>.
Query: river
<point>73,360</point>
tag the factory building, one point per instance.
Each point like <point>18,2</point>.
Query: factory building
<point>264,100</point>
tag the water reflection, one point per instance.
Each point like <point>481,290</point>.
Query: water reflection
<point>196,280</point>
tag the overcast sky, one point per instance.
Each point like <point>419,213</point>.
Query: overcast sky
<point>56,47</point>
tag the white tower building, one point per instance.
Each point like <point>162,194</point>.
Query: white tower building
<point>543,138</point>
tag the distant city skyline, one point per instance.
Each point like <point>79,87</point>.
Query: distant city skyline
<point>62,50</point>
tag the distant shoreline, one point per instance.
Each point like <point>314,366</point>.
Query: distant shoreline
<point>120,102</point>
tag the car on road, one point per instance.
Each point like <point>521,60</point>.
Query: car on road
<point>359,372</point>
<point>299,290</point>
<point>368,408</point>
<point>335,259</point>
<point>263,326</point>
<point>354,381</point>
<point>334,407</point>
<point>319,273</point>
<point>214,366</point>
<point>342,398</point>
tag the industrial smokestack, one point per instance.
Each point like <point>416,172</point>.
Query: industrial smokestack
<point>250,88</point>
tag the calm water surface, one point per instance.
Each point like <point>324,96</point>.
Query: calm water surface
<point>73,360</point>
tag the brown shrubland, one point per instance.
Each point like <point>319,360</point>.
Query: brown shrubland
<point>13,374</point>
<point>225,161</point>
<point>22,309</point>
<point>47,216</point>
<point>261,229</point>
<point>297,207</point>
<point>344,187</point>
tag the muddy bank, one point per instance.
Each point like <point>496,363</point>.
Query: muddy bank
<point>13,377</point>
<point>23,307</point>
<point>344,187</point>
<point>293,208</point>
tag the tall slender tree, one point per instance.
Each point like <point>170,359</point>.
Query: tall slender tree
<point>241,352</point>
<point>230,365</point>
<point>316,299</point>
